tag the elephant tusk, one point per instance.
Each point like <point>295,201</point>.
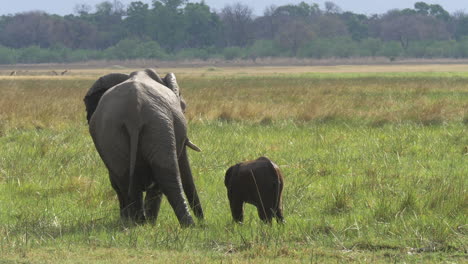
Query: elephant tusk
<point>192,146</point>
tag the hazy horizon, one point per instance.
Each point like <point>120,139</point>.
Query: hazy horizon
<point>367,7</point>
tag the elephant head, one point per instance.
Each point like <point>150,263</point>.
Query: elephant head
<point>96,91</point>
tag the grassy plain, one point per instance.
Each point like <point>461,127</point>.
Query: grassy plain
<point>375,165</point>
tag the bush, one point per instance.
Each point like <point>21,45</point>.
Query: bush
<point>462,48</point>
<point>326,48</point>
<point>150,49</point>
<point>391,49</point>
<point>263,48</point>
<point>35,54</point>
<point>442,49</point>
<point>193,53</point>
<point>344,47</point>
<point>85,55</point>
<point>416,49</point>
<point>123,50</point>
<point>134,49</point>
<point>318,49</point>
<point>7,55</point>
<point>231,53</point>
<point>431,49</point>
<point>370,47</point>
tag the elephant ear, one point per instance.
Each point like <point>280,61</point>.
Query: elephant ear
<point>171,82</point>
<point>96,91</point>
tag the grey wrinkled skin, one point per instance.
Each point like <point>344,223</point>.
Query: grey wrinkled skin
<point>138,127</point>
<point>258,182</point>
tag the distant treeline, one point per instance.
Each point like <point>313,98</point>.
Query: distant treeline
<point>177,29</point>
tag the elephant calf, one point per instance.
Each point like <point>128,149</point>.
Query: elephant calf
<point>258,182</point>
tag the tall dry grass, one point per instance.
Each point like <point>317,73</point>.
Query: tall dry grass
<point>369,99</point>
<point>41,102</point>
<point>374,100</point>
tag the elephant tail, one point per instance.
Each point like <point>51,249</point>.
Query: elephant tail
<point>133,135</point>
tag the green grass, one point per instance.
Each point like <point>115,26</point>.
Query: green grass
<point>356,189</point>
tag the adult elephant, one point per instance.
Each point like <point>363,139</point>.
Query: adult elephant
<point>138,127</point>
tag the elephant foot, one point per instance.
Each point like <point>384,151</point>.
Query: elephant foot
<point>198,211</point>
<point>187,221</point>
<point>129,215</point>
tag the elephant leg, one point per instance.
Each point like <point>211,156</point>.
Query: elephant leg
<point>189,185</point>
<point>279,215</point>
<point>113,147</point>
<point>264,208</point>
<point>134,208</point>
<point>279,205</point>
<point>153,203</point>
<point>237,209</point>
<point>265,214</point>
<point>120,196</point>
<point>162,158</point>
<point>172,188</point>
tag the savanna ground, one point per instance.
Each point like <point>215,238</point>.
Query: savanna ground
<point>374,159</point>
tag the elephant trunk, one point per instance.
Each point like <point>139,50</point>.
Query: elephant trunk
<point>188,184</point>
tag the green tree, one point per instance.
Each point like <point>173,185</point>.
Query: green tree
<point>201,26</point>
<point>329,26</point>
<point>167,24</point>
<point>237,25</point>
<point>422,8</point>
<point>435,10</point>
<point>357,25</point>
<point>134,48</point>
<point>391,50</point>
<point>462,48</point>
<point>344,47</point>
<point>441,49</point>
<point>7,55</point>
<point>302,10</point>
<point>150,49</point>
<point>294,34</point>
<point>371,45</point>
<point>460,24</point>
<point>108,19</point>
<point>263,48</point>
<point>173,4</point>
<point>34,54</point>
<point>318,48</point>
<point>137,18</point>
<point>231,53</point>
<point>194,53</point>
<point>398,26</point>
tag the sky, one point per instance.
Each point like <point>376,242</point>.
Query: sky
<point>368,7</point>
